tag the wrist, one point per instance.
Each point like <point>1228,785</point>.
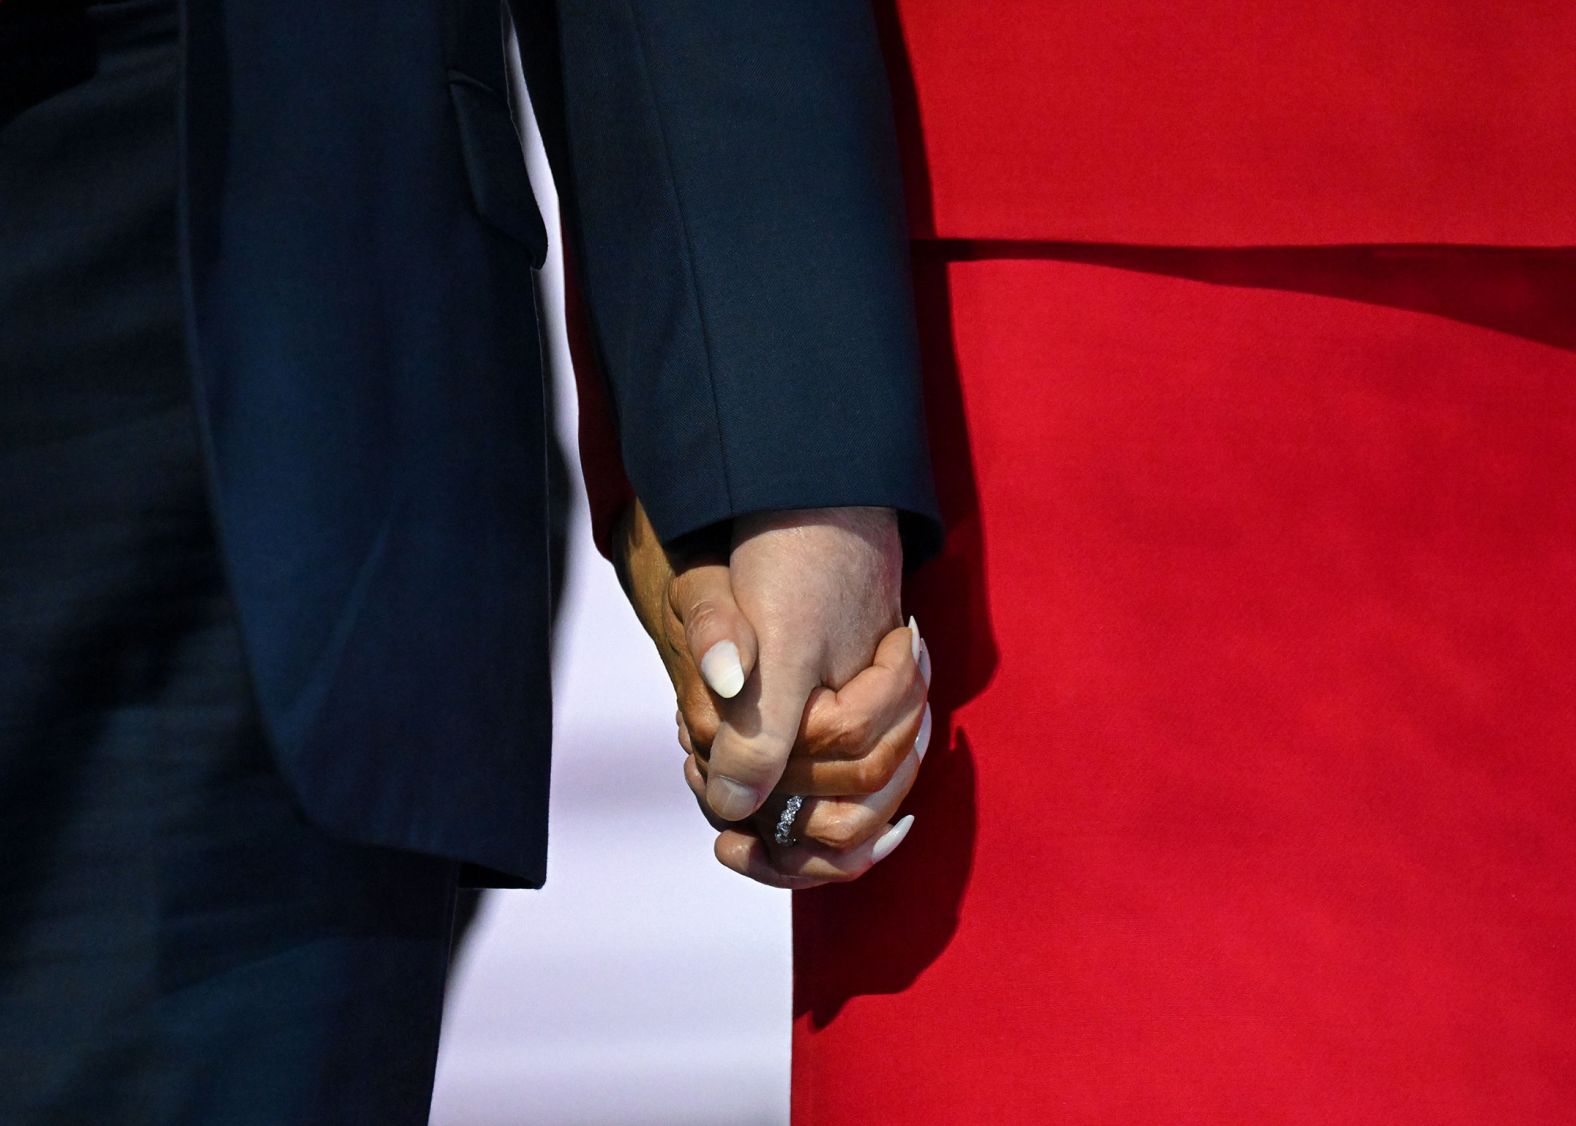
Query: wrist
<point>876,526</point>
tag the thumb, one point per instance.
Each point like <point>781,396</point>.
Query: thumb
<point>757,736</point>
<point>717,635</point>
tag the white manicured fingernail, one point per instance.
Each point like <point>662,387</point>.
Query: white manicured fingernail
<point>890,839</point>
<point>922,740</point>
<point>722,669</point>
<point>913,638</point>
<point>924,663</point>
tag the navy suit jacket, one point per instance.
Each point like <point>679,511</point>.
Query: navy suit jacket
<point>358,240</point>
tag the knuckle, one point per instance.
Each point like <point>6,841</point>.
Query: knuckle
<point>746,759</point>
<point>851,732</point>
<point>702,617</point>
<point>867,775</point>
<point>875,770</point>
<point>703,731</point>
<point>674,589</point>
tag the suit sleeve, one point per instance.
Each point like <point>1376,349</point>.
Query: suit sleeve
<point>730,192</point>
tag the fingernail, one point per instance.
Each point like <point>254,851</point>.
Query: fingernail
<point>924,663</point>
<point>730,800</point>
<point>913,638</point>
<point>722,669</point>
<point>922,741</point>
<point>890,839</point>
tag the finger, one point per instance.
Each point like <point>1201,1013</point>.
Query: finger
<point>848,723</point>
<point>746,854</point>
<point>698,709</point>
<point>853,741</point>
<point>806,865</point>
<point>758,732</point>
<point>696,780</point>
<point>870,773</point>
<point>718,637</point>
<point>841,824</point>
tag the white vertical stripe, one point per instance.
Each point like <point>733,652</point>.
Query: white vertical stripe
<point>646,985</point>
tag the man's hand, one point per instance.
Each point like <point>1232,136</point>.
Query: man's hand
<point>822,591</point>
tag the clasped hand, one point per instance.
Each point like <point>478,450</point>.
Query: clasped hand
<point>794,676</point>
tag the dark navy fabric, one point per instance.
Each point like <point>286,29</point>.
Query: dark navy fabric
<point>178,944</point>
<point>367,362</point>
<point>359,239</point>
<point>731,178</point>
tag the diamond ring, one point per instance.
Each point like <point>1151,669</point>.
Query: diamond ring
<point>784,834</point>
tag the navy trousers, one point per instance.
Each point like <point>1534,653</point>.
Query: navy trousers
<point>177,945</point>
